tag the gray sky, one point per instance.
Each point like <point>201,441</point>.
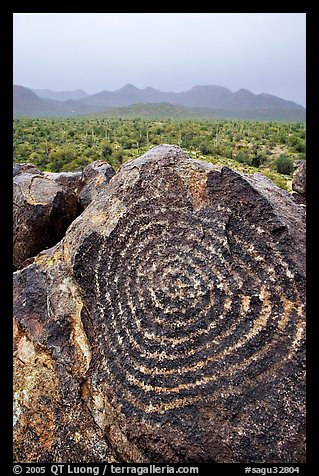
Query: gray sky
<point>262,52</point>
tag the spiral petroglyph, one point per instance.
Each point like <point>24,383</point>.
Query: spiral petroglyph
<point>194,299</point>
<point>192,284</point>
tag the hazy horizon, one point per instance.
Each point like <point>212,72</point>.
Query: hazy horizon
<point>261,52</point>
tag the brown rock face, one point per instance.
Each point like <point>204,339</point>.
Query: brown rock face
<point>168,325</point>
<point>299,177</point>
<point>95,177</point>
<point>42,211</point>
<point>71,180</point>
<point>51,421</point>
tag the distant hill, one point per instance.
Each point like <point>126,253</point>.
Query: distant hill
<point>213,97</point>
<point>27,103</point>
<point>78,94</point>
<point>174,111</point>
<point>153,111</point>
<point>129,101</point>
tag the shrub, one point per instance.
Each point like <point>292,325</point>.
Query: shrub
<point>256,160</point>
<point>284,165</point>
<point>205,148</point>
<point>243,157</point>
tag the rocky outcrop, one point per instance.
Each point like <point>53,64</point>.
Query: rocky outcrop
<point>299,177</point>
<point>87,184</point>
<point>42,211</point>
<point>45,204</point>
<point>95,177</point>
<point>299,182</point>
<point>168,325</point>
<point>19,169</point>
<point>71,180</point>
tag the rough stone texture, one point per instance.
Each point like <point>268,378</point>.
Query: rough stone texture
<point>300,199</point>
<point>42,211</point>
<point>168,323</point>
<point>52,423</point>
<point>96,177</point>
<point>26,169</point>
<point>71,180</point>
<point>40,223</point>
<point>299,177</point>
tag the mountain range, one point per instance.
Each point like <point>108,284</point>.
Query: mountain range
<point>199,101</point>
<point>60,95</point>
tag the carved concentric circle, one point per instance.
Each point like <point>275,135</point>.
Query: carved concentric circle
<point>188,307</point>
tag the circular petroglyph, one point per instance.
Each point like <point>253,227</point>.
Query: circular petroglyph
<point>193,303</point>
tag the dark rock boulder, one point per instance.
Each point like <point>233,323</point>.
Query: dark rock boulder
<point>168,324</point>
<point>42,211</point>
<point>40,223</point>
<point>299,177</point>
<point>95,178</point>
<point>298,198</point>
<point>71,180</point>
<point>26,169</point>
<point>87,184</point>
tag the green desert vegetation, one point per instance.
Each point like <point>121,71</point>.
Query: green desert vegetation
<point>69,144</point>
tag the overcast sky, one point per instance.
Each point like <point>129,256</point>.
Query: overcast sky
<point>262,52</point>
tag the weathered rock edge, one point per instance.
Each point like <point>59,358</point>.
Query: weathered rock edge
<point>299,180</point>
<point>168,325</point>
<point>42,211</point>
<point>45,203</point>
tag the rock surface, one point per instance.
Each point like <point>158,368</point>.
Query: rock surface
<point>168,325</point>
<point>52,422</point>
<point>42,211</point>
<point>72,180</point>
<point>40,223</point>
<point>95,177</point>
<point>26,169</point>
<point>299,177</point>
